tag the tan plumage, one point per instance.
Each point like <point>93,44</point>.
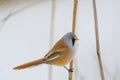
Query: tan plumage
<point>59,55</point>
<point>29,64</point>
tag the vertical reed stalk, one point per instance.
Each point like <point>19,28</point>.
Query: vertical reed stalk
<point>97,41</point>
<point>73,30</point>
<point>51,35</point>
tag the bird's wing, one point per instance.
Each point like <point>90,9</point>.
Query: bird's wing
<point>54,55</point>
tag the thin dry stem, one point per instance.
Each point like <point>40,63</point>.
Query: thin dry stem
<point>73,30</point>
<point>97,41</point>
<point>51,35</point>
<point>70,73</point>
<point>3,21</point>
<point>74,16</point>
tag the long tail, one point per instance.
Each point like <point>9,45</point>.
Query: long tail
<point>29,64</point>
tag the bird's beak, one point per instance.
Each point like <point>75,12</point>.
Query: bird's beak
<point>76,38</point>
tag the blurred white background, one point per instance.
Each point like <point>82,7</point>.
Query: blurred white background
<point>25,36</point>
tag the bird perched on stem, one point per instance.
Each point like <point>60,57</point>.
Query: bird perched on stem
<point>61,53</point>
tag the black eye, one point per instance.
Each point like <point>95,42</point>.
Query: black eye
<point>73,41</point>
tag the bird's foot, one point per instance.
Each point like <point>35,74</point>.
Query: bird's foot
<point>69,70</point>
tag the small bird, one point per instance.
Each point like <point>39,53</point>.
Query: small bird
<point>60,55</point>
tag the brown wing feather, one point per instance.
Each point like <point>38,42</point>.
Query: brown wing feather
<point>58,46</point>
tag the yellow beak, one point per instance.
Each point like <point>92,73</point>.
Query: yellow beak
<point>76,38</point>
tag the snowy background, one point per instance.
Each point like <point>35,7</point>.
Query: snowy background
<point>25,36</point>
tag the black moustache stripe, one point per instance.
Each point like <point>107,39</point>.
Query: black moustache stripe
<point>73,41</point>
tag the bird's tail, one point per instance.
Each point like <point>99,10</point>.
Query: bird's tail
<point>29,64</point>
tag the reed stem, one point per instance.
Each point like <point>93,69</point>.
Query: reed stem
<point>73,30</point>
<point>51,35</point>
<point>97,41</point>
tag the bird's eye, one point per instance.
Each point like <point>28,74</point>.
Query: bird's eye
<point>73,41</point>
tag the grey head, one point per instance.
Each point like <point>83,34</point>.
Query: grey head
<point>70,40</point>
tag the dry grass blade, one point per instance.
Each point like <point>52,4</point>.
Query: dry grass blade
<point>51,34</point>
<point>97,41</point>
